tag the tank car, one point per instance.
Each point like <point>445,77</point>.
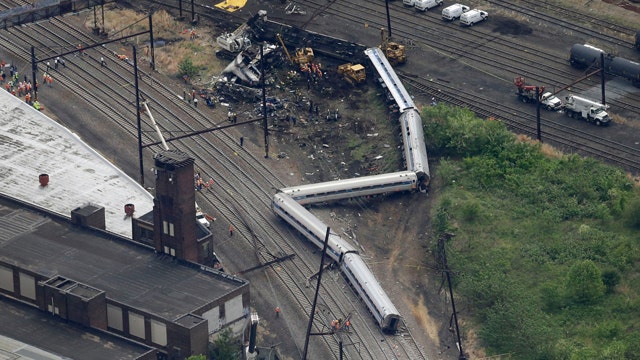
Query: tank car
<point>626,68</point>
<point>367,286</point>
<point>583,56</point>
<point>349,188</point>
<point>310,226</point>
<point>414,145</point>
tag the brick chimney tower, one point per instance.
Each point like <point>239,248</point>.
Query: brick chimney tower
<point>174,212</point>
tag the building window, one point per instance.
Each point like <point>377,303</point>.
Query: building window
<point>27,286</point>
<point>158,333</point>
<point>136,325</point>
<point>6,278</point>
<point>114,317</point>
<point>165,227</point>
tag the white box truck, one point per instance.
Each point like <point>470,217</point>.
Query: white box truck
<point>454,11</point>
<point>585,109</point>
<point>472,17</point>
<point>424,5</point>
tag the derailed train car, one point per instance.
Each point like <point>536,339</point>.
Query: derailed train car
<point>415,149</point>
<point>266,30</point>
<point>350,188</point>
<point>587,56</point>
<point>356,271</point>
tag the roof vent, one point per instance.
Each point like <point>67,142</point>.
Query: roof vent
<point>129,209</point>
<point>44,180</point>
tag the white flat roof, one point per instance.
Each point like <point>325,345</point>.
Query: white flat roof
<point>32,144</point>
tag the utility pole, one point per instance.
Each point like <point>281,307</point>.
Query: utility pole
<point>445,266</point>
<point>265,124</point>
<point>538,103</point>
<point>135,75</point>
<point>315,297</point>
<point>602,78</point>
<point>386,3</point>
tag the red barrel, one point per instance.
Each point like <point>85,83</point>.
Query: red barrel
<point>129,209</point>
<point>44,179</point>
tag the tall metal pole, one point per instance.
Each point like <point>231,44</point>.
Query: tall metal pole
<point>152,49</point>
<point>135,75</point>
<point>539,98</point>
<point>102,9</point>
<point>193,12</point>
<point>315,297</point>
<point>265,124</point>
<point>602,77</point>
<point>95,19</point>
<point>180,7</point>
<point>34,69</point>
<point>461,355</point>
<point>386,3</point>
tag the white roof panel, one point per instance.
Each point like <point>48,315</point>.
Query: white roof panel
<point>32,144</point>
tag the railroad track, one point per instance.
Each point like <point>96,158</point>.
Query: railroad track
<point>84,73</point>
<point>496,57</point>
<point>579,21</point>
<point>493,52</point>
<point>567,136</point>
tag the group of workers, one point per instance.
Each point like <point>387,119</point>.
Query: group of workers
<point>19,88</point>
<point>338,324</point>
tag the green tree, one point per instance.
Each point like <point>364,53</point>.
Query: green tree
<point>197,357</point>
<point>224,347</point>
<point>584,282</point>
<point>631,214</point>
<point>187,68</point>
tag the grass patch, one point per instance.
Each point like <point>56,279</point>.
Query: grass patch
<point>546,249</point>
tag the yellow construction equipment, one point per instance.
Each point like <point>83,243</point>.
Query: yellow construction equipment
<point>352,73</point>
<point>302,56</point>
<point>393,51</point>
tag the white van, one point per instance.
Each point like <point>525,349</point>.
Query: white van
<point>424,5</point>
<point>473,17</point>
<point>454,11</point>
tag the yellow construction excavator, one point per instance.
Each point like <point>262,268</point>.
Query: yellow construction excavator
<point>302,56</point>
<point>394,52</point>
<point>353,73</point>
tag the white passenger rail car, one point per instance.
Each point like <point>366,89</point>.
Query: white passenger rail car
<point>390,78</point>
<point>343,253</point>
<point>350,188</point>
<point>415,151</point>
<point>367,286</point>
<point>310,226</point>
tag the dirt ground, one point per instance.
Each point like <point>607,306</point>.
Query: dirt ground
<point>393,232</point>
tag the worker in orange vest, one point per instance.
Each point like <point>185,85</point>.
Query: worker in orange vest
<point>27,98</point>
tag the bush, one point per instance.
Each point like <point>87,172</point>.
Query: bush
<point>631,214</point>
<point>610,279</point>
<point>584,282</point>
<point>187,68</point>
